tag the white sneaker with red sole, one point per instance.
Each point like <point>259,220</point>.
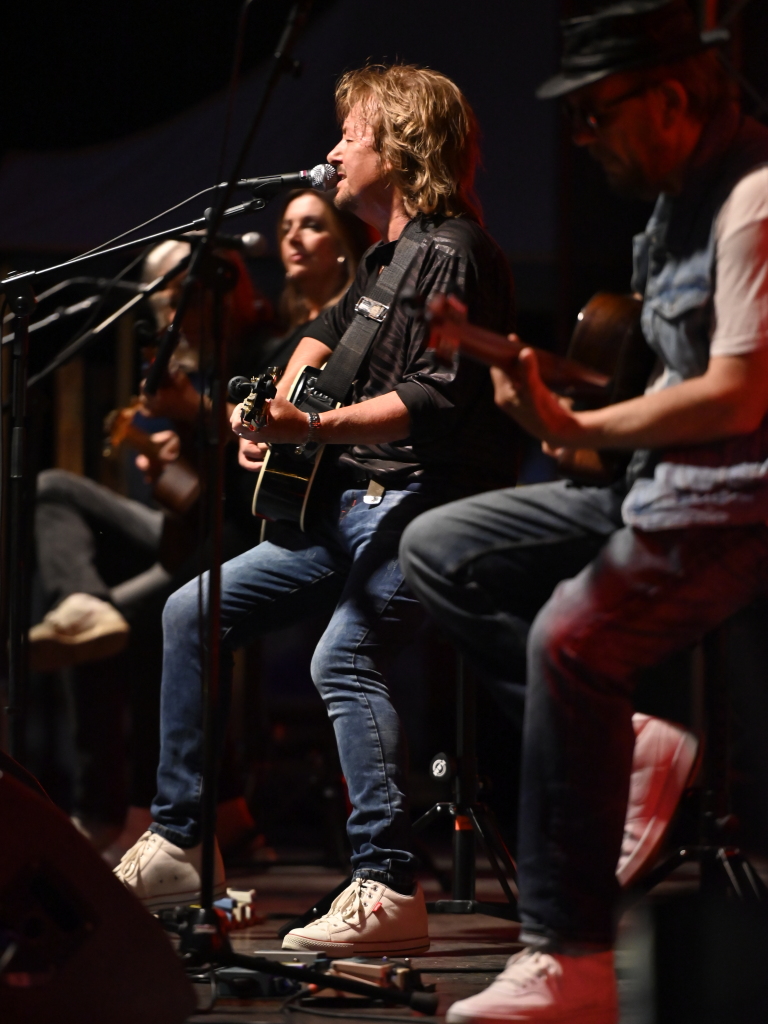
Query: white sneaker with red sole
<point>545,988</point>
<point>663,764</point>
<point>367,919</point>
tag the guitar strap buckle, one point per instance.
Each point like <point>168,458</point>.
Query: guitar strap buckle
<point>371,309</point>
<point>375,493</point>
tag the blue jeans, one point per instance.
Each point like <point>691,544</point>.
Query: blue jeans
<point>349,560</point>
<point>604,602</point>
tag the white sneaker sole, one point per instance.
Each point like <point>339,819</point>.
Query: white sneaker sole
<point>403,947</point>
<point>51,653</point>
<point>180,899</point>
<point>554,1016</point>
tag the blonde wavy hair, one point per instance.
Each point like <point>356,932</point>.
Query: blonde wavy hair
<point>424,129</point>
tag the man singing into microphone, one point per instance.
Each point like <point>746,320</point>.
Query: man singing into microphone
<point>413,436</point>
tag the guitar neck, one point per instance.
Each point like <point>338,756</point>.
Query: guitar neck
<point>493,349</point>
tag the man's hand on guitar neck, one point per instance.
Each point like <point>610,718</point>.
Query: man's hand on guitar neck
<point>285,424</point>
<point>375,421</point>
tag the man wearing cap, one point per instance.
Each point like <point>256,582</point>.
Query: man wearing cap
<point>615,579</point>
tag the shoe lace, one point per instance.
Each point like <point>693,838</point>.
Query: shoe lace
<point>129,865</point>
<point>529,965</point>
<point>350,903</point>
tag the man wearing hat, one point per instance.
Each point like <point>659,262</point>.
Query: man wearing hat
<point>615,579</point>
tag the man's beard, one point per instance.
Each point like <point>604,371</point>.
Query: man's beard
<point>343,200</point>
<point>627,180</point>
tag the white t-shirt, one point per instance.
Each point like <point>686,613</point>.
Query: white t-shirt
<point>741,286</point>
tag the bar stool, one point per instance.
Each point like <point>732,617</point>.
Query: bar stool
<point>724,868</point>
<point>471,819</point>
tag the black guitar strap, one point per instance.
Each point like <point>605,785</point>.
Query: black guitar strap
<point>370,313</point>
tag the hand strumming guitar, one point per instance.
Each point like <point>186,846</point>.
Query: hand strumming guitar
<point>251,454</point>
<point>168,450</point>
<point>520,392</point>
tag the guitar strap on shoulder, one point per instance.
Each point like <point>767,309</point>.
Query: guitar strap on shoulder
<point>370,313</point>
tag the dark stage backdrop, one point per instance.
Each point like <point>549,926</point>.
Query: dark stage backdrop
<point>71,199</point>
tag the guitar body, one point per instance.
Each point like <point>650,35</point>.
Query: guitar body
<point>608,361</point>
<point>288,474</point>
<point>176,485</point>
<point>608,336</point>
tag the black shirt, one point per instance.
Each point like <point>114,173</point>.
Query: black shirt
<point>457,433</point>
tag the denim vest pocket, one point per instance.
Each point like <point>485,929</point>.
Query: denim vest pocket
<point>677,313</point>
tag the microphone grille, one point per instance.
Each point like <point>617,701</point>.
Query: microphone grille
<point>323,177</point>
<point>254,244</point>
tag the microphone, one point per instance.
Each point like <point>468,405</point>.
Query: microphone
<point>239,388</point>
<point>250,244</point>
<point>322,177</point>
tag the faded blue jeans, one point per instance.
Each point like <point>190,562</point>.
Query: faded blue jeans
<point>350,561</point>
<point>549,568</point>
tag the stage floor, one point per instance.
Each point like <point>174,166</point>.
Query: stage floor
<point>468,950</point>
<point>459,943</point>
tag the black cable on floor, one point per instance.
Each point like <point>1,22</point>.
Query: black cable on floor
<point>351,1015</point>
<point>459,970</point>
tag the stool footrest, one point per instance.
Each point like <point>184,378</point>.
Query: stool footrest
<point>505,910</point>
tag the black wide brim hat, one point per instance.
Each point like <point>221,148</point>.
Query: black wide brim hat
<point>624,37</point>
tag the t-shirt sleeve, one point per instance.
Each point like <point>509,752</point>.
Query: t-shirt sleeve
<point>741,286</point>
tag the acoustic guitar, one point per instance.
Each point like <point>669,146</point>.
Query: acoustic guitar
<point>608,361</point>
<point>289,471</point>
<point>176,485</point>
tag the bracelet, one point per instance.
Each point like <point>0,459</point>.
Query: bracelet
<point>313,428</point>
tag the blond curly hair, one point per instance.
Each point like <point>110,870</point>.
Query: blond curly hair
<point>424,129</point>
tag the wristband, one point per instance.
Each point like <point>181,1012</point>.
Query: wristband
<point>313,427</point>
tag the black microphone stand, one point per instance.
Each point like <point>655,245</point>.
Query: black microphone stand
<point>21,300</point>
<point>206,923</point>
<point>19,294</point>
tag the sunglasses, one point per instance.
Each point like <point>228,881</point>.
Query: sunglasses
<point>585,118</point>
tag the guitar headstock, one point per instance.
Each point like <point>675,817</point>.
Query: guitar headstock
<point>254,411</point>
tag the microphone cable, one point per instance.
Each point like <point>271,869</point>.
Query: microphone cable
<point>138,227</point>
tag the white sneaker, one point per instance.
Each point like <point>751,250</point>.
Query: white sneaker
<point>163,875</point>
<point>663,763</point>
<point>367,919</point>
<point>544,987</point>
<point>82,628</point>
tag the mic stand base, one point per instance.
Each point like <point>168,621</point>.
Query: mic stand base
<point>204,942</point>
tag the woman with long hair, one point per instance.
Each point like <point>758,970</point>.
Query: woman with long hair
<point>320,248</point>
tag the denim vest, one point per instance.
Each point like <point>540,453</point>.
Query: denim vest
<point>675,262</point>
